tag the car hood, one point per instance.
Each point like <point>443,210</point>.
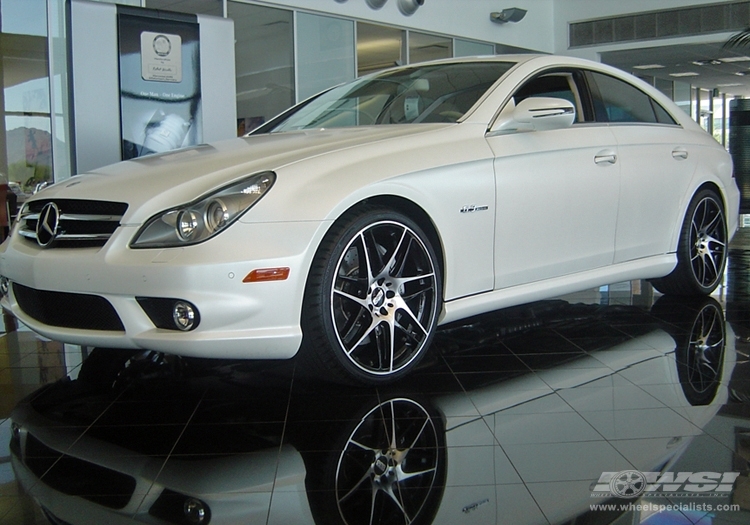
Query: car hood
<point>157,182</point>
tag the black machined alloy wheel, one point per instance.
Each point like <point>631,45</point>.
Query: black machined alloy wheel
<point>373,297</point>
<point>390,466</point>
<point>383,298</point>
<point>702,251</point>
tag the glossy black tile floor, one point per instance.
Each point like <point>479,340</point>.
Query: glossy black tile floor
<point>613,405</point>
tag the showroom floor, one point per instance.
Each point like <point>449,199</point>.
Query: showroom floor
<point>615,397</point>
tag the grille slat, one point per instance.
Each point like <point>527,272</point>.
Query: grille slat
<point>88,223</point>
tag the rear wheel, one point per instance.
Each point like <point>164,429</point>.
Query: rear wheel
<point>372,298</point>
<point>702,249</point>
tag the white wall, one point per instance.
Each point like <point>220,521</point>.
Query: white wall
<point>462,18</point>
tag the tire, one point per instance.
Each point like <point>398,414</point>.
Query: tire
<point>372,298</point>
<point>702,248</point>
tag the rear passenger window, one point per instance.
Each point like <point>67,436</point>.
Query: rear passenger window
<point>618,101</point>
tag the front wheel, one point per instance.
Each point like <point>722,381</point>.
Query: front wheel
<point>702,249</point>
<point>372,298</point>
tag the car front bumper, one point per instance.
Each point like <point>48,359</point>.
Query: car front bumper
<point>255,320</point>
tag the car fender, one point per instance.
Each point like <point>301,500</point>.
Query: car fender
<point>450,178</point>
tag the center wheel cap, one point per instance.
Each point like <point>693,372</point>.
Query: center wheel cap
<point>378,297</point>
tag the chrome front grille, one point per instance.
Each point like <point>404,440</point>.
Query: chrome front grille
<point>78,222</point>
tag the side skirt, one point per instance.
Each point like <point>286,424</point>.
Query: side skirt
<point>646,268</point>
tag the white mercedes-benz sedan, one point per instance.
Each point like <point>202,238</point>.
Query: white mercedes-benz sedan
<point>351,226</point>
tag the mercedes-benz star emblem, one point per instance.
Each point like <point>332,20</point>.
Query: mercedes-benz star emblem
<point>46,226</point>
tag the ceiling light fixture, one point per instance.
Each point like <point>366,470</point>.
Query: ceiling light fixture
<point>408,7</point>
<point>712,62</point>
<point>376,4</point>
<point>512,14</point>
<point>649,66</point>
<point>735,59</point>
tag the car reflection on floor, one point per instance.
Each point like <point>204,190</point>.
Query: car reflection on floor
<point>514,419</point>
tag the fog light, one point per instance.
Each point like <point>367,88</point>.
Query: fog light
<point>4,286</point>
<point>195,511</point>
<point>184,315</point>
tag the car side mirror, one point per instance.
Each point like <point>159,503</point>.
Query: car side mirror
<point>536,114</point>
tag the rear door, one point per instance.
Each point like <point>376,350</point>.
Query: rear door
<point>657,159</point>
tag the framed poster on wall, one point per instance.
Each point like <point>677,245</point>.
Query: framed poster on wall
<point>160,93</point>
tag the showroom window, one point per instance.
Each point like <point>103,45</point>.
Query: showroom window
<point>202,7</point>
<point>325,53</point>
<point>465,48</point>
<point>424,47</point>
<point>264,62</point>
<point>26,157</point>
<point>379,47</point>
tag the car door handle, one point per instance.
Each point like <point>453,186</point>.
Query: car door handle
<point>605,158</point>
<point>679,154</point>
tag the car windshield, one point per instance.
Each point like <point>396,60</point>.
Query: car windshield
<point>430,93</point>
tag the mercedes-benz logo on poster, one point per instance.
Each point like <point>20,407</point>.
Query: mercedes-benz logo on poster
<point>47,225</point>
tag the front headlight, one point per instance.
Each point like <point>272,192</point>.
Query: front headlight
<point>202,219</point>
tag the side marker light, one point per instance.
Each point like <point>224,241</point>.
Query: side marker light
<point>266,274</point>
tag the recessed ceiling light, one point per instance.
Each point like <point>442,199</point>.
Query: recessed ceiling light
<point>729,85</point>
<point>735,59</point>
<point>649,66</point>
<point>685,74</point>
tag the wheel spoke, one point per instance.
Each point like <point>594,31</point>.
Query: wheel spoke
<point>353,298</point>
<point>372,505</point>
<point>399,504</point>
<point>402,306</point>
<point>411,296</point>
<point>392,435</point>
<point>387,268</point>
<point>372,245</point>
<point>391,350</point>
<point>362,446</point>
<point>713,223</point>
<point>362,481</point>
<point>401,281</point>
<point>713,240</point>
<point>373,324</point>
<point>419,434</point>
<point>408,333</point>
<point>403,476</point>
